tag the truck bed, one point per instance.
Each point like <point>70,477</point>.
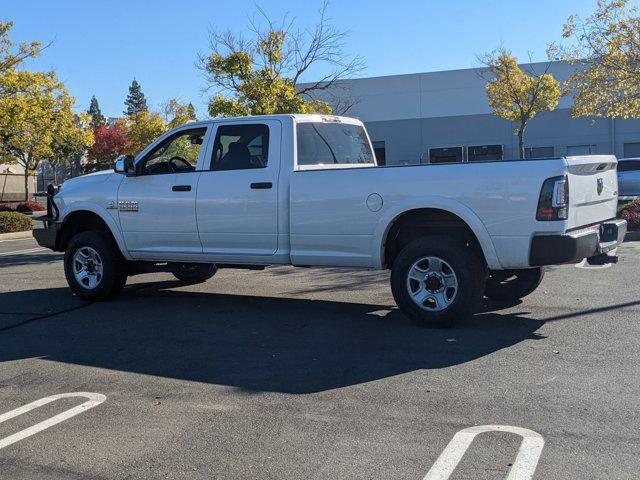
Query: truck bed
<point>331,218</point>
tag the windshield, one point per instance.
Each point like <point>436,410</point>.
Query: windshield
<point>332,144</point>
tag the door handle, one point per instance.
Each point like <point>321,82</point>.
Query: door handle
<point>181,188</point>
<point>261,185</point>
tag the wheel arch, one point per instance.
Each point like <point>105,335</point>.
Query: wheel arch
<point>435,215</point>
<point>86,217</point>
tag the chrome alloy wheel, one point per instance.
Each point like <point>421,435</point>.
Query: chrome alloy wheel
<point>87,267</point>
<point>432,284</point>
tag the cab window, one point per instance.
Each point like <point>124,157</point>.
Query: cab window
<point>240,147</point>
<point>178,154</point>
<point>332,143</point>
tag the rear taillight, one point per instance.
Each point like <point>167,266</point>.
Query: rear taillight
<point>554,200</point>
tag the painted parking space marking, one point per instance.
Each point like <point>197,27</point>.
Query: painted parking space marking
<point>523,467</point>
<point>22,239</point>
<point>94,399</point>
<point>19,252</point>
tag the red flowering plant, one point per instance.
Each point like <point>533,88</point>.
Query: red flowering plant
<point>29,207</point>
<point>631,213</point>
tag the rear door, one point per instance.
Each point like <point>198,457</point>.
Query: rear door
<point>237,198</point>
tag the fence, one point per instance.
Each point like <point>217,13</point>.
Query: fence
<point>56,175</point>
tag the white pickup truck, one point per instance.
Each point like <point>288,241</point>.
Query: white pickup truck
<point>305,190</point>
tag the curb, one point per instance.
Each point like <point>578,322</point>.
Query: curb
<point>632,236</point>
<point>16,235</point>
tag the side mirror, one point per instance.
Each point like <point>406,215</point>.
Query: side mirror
<point>125,164</point>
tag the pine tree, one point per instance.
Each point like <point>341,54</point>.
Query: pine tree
<point>97,119</point>
<point>191,111</point>
<point>135,101</point>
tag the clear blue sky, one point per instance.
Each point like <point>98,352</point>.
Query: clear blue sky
<point>98,47</point>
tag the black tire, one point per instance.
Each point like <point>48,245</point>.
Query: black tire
<point>193,272</point>
<point>114,266</point>
<point>469,269</point>
<point>508,285</point>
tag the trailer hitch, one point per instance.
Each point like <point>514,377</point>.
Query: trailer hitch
<point>602,259</point>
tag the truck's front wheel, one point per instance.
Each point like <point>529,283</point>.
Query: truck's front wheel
<point>436,281</point>
<point>94,268</point>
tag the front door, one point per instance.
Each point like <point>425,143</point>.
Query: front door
<point>157,206</point>
<point>237,201</point>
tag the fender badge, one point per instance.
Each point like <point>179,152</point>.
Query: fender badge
<point>600,185</point>
<point>128,206</point>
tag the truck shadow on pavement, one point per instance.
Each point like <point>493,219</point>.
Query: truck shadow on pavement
<point>29,259</point>
<point>258,344</point>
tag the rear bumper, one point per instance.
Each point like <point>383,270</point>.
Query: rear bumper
<point>575,246</point>
<point>48,236</point>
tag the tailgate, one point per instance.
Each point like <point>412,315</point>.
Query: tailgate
<point>593,189</point>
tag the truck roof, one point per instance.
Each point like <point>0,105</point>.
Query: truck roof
<point>300,117</point>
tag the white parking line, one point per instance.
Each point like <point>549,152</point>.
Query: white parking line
<point>523,467</point>
<point>95,399</point>
<point>15,239</point>
<point>19,252</point>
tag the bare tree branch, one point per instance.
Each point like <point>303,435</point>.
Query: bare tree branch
<point>278,54</point>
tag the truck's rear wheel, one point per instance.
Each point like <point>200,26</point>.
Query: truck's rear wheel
<point>94,268</point>
<point>510,285</point>
<point>436,281</point>
<point>193,272</point>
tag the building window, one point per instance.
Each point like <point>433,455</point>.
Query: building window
<point>575,150</point>
<point>631,150</point>
<point>445,155</point>
<point>484,153</point>
<point>539,152</point>
<point>381,152</point>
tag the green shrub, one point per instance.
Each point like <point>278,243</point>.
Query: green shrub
<point>14,222</point>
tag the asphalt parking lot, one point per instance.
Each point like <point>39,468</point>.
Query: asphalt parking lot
<point>313,373</point>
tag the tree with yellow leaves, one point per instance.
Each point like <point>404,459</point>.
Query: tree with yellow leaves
<point>12,55</point>
<point>516,95</point>
<point>37,122</point>
<point>263,75</point>
<point>605,49</point>
<point>177,113</point>
<point>142,128</point>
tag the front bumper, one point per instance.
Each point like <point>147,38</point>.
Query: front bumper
<point>48,236</point>
<point>575,246</point>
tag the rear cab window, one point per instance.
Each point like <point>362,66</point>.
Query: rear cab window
<point>333,144</point>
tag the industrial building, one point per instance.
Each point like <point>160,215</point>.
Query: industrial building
<point>445,117</point>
